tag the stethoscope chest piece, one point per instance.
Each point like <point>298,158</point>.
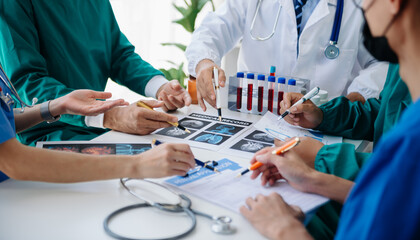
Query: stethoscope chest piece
<point>222,225</point>
<point>332,51</point>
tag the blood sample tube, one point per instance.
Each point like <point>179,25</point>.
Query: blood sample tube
<point>271,82</point>
<point>250,77</point>
<point>281,89</point>
<point>291,85</point>
<point>240,77</point>
<point>261,79</point>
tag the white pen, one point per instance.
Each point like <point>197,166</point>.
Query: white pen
<point>216,84</point>
<point>307,96</point>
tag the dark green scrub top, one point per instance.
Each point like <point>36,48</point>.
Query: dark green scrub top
<point>51,48</point>
<point>355,120</point>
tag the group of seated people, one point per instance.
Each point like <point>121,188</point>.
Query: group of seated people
<point>63,52</point>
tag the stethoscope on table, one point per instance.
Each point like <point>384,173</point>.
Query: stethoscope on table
<point>330,52</point>
<point>7,98</point>
<point>220,225</point>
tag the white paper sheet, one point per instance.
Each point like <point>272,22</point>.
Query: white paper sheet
<point>282,130</point>
<point>229,191</point>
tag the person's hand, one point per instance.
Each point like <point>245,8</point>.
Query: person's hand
<point>355,96</point>
<point>205,89</point>
<point>165,160</point>
<point>307,149</point>
<point>84,102</point>
<point>288,166</point>
<point>173,95</point>
<point>138,120</point>
<point>306,115</point>
<point>274,218</point>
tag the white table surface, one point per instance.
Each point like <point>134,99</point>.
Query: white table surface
<point>35,210</point>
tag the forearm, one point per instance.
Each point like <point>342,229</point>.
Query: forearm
<point>32,116</point>
<point>27,163</point>
<point>29,118</point>
<point>330,186</point>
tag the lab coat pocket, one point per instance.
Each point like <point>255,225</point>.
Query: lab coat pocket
<point>334,75</point>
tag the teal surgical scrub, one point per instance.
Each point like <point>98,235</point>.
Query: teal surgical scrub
<point>7,120</point>
<point>385,201</point>
<point>51,48</point>
<point>355,120</point>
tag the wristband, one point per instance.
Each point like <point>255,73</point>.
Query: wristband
<point>46,114</point>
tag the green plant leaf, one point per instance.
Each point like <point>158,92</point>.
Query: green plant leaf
<point>183,11</point>
<point>178,45</point>
<point>190,13</point>
<point>175,74</point>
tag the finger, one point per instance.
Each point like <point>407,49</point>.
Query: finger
<point>210,101</point>
<point>102,106</point>
<point>153,103</point>
<point>201,102</point>
<point>259,198</point>
<point>100,95</point>
<point>287,100</point>
<point>250,202</point>
<point>181,148</point>
<point>245,212</point>
<point>168,103</point>
<point>278,143</point>
<point>265,158</point>
<point>177,172</point>
<point>267,176</point>
<point>178,103</point>
<point>255,174</point>
<point>222,77</point>
<point>184,157</point>
<point>297,109</point>
<point>187,98</point>
<point>174,84</point>
<point>180,166</point>
<point>157,116</point>
<point>206,86</point>
<point>260,152</point>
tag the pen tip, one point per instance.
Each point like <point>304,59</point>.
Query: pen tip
<point>188,131</point>
<point>238,175</point>
<point>215,169</point>
<point>220,118</point>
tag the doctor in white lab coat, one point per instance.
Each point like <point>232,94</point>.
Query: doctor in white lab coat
<point>354,73</point>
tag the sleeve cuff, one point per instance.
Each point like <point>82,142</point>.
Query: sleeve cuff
<point>154,84</point>
<point>95,121</point>
<point>327,118</point>
<point>192,64</point>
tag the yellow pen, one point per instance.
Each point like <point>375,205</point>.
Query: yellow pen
<point>142,104</point>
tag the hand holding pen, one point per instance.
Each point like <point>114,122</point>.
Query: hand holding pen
<point>277,151</point>
<point>198,162</point>
<point>175,124</point>
<point>306,115</point>
<point>288,166</point>
<point>307,96</point>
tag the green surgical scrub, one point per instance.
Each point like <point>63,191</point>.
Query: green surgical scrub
<point>355,120</point>
<point>54,47</point>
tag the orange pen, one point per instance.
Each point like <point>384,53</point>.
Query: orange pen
<point>286,147</point>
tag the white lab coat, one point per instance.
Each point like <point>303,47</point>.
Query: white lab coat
<point>355,70</point>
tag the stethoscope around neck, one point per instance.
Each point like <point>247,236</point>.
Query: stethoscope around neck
<point>330,52</point>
